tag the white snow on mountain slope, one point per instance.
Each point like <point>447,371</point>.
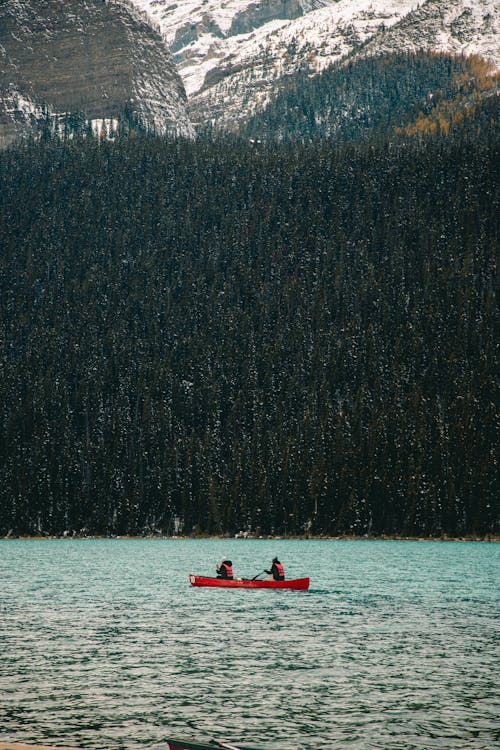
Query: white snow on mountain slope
<point>457,26</point>
<point>203,33</point>
<point>174,16</point>
<point>232,53</point>
<point>221,17</point>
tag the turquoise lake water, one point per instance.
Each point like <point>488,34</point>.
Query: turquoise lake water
<point>103,644</point>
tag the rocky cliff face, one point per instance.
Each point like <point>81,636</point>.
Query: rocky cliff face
<point>90,56</point>
<point>232,54</point>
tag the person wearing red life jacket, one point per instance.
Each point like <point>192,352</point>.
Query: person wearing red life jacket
<point>277,570</point>
<point>225,570</point>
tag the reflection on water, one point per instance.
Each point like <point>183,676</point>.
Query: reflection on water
<point>103,644</point>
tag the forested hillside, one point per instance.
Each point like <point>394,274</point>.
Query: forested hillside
<point>424,92</point>
<point>282,338</point>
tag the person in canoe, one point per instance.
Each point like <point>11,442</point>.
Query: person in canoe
<point>225,570</point>
<point>277,570</point>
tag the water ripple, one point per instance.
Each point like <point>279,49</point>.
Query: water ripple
<point>103,644</point>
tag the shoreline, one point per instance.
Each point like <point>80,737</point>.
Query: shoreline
<point>289,537</point>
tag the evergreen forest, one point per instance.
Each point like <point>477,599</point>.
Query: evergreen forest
<point>415,93</point>
<point>220,335</point>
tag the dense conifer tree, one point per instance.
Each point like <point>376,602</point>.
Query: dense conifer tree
<point>285,338</point>
<point>415,93</point>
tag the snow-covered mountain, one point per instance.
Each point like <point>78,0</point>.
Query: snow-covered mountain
<point>101,57</point>
<point>458,26</point>
<point>203,33</point>
<point>232,53</point>
<point>84,56</point>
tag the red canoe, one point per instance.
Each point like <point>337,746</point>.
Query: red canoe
<point>297,584</point>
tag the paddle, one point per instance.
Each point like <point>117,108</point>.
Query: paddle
<point>258,574</point>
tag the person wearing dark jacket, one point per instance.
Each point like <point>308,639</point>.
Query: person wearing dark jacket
<point>225,570</point>
<point>277,570</point>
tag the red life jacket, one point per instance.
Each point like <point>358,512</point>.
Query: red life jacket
<point>280,569</point>
<point>228,569</point>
